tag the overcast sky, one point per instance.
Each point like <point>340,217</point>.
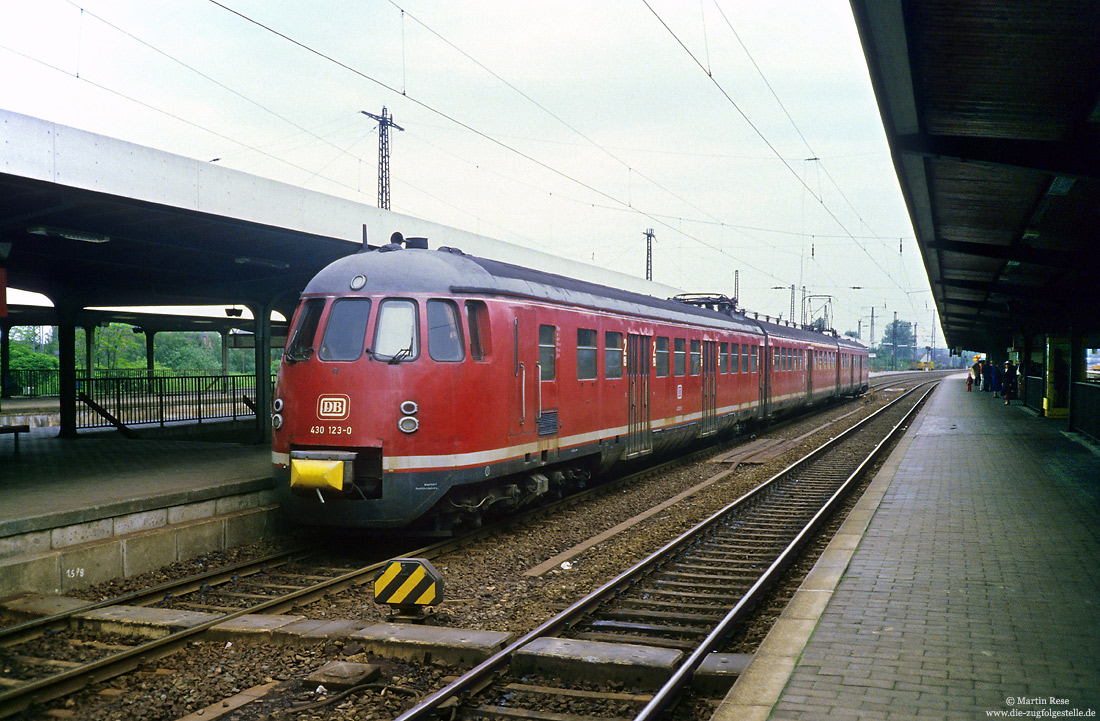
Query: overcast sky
<point>745,133</point>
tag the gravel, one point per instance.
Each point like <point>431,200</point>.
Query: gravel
<point>485,589</point>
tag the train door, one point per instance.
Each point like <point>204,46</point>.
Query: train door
<point>547,373</point>
<point>710,387</point>
<point>765,376</point>
<point>810,373</point>
<point>639,436</point>
<point>524,386</point>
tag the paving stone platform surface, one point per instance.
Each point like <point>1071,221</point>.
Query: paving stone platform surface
<point>975,590</point>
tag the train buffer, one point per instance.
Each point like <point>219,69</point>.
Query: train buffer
<point>409,586</point>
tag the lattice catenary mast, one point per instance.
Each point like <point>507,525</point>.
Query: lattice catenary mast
<point>385,122</point>
<point>649,236</point>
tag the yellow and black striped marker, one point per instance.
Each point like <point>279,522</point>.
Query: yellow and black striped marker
<point>408,582</point>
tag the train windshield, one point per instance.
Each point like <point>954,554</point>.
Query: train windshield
<point>301,339</point>
<point>395,334</point>
<point>444,334</point>
<point>345,330</point>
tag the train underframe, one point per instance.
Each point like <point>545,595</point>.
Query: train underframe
<point>441,503</point>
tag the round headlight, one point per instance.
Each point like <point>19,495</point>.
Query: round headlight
<point>277,406</point>
<point>408,424</point>
<point>358,282</point>
<point>276,421</point>
<point>409,408</point>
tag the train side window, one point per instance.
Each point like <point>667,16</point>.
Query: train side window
<point>345,330</point>
<point>444,331</point>
<point>548,352</point>
<point>613,354</point>
<point>661,354</point>
<point>754,352</point>
<point>679,356</point>
<point>395,332</point>
<point>477,319</point>
<point>305,330</point>
<point>586,354</point>
<point>744,358</point>
<point>723,357</point>
<point>696,357</point>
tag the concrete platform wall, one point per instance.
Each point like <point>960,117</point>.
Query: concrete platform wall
<point>74,556</point>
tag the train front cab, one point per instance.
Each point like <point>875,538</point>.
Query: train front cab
<point>370,429</point>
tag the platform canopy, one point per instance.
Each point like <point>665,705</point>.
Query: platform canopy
<point>93,221</point>
<point>992,112</point>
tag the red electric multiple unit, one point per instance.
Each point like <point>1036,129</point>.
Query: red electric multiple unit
<point>427,388</point>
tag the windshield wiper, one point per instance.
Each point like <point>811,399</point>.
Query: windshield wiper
<point>292,357</point>
<point>400,356</point>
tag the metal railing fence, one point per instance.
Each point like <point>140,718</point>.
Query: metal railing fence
<point>1033,392</point>
<point>33,382</point>
<point>138,396</point>
<point>1086,409</point>
<point>138,399</point>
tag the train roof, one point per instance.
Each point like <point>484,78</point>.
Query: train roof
<point>449,271</point>
<point>851,343</point>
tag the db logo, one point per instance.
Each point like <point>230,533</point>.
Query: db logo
<point>333,407</point>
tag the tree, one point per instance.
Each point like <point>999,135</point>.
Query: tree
<point>117,346</point>
<point>24,359</point>
<point>32,337</point>
<point>898,343</point>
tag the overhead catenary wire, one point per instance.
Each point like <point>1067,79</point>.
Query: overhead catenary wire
<point>762,136</point>
<point>486,136</point>
<point>593,174</point>
<point>200,73</point>
<point>631,170</point>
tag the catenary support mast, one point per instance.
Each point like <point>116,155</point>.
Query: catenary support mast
<point>385,122</point>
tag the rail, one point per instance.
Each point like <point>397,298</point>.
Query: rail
<point>479,676</point>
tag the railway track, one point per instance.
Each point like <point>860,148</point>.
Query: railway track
<point>278,583</point>
<point>687,597</point>
<point>273,584</point>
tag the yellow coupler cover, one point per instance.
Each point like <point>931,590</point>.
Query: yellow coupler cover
<point>309,473</point>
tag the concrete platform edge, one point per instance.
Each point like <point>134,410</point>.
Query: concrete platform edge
<point>111,510</point>
<point>757,690</point>
<point>76,566</point>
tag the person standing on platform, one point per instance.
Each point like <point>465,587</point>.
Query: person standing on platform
<point>969,381</point>
<point>977,368</point>
<point>1008,388</point>
<point>987,376</point>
